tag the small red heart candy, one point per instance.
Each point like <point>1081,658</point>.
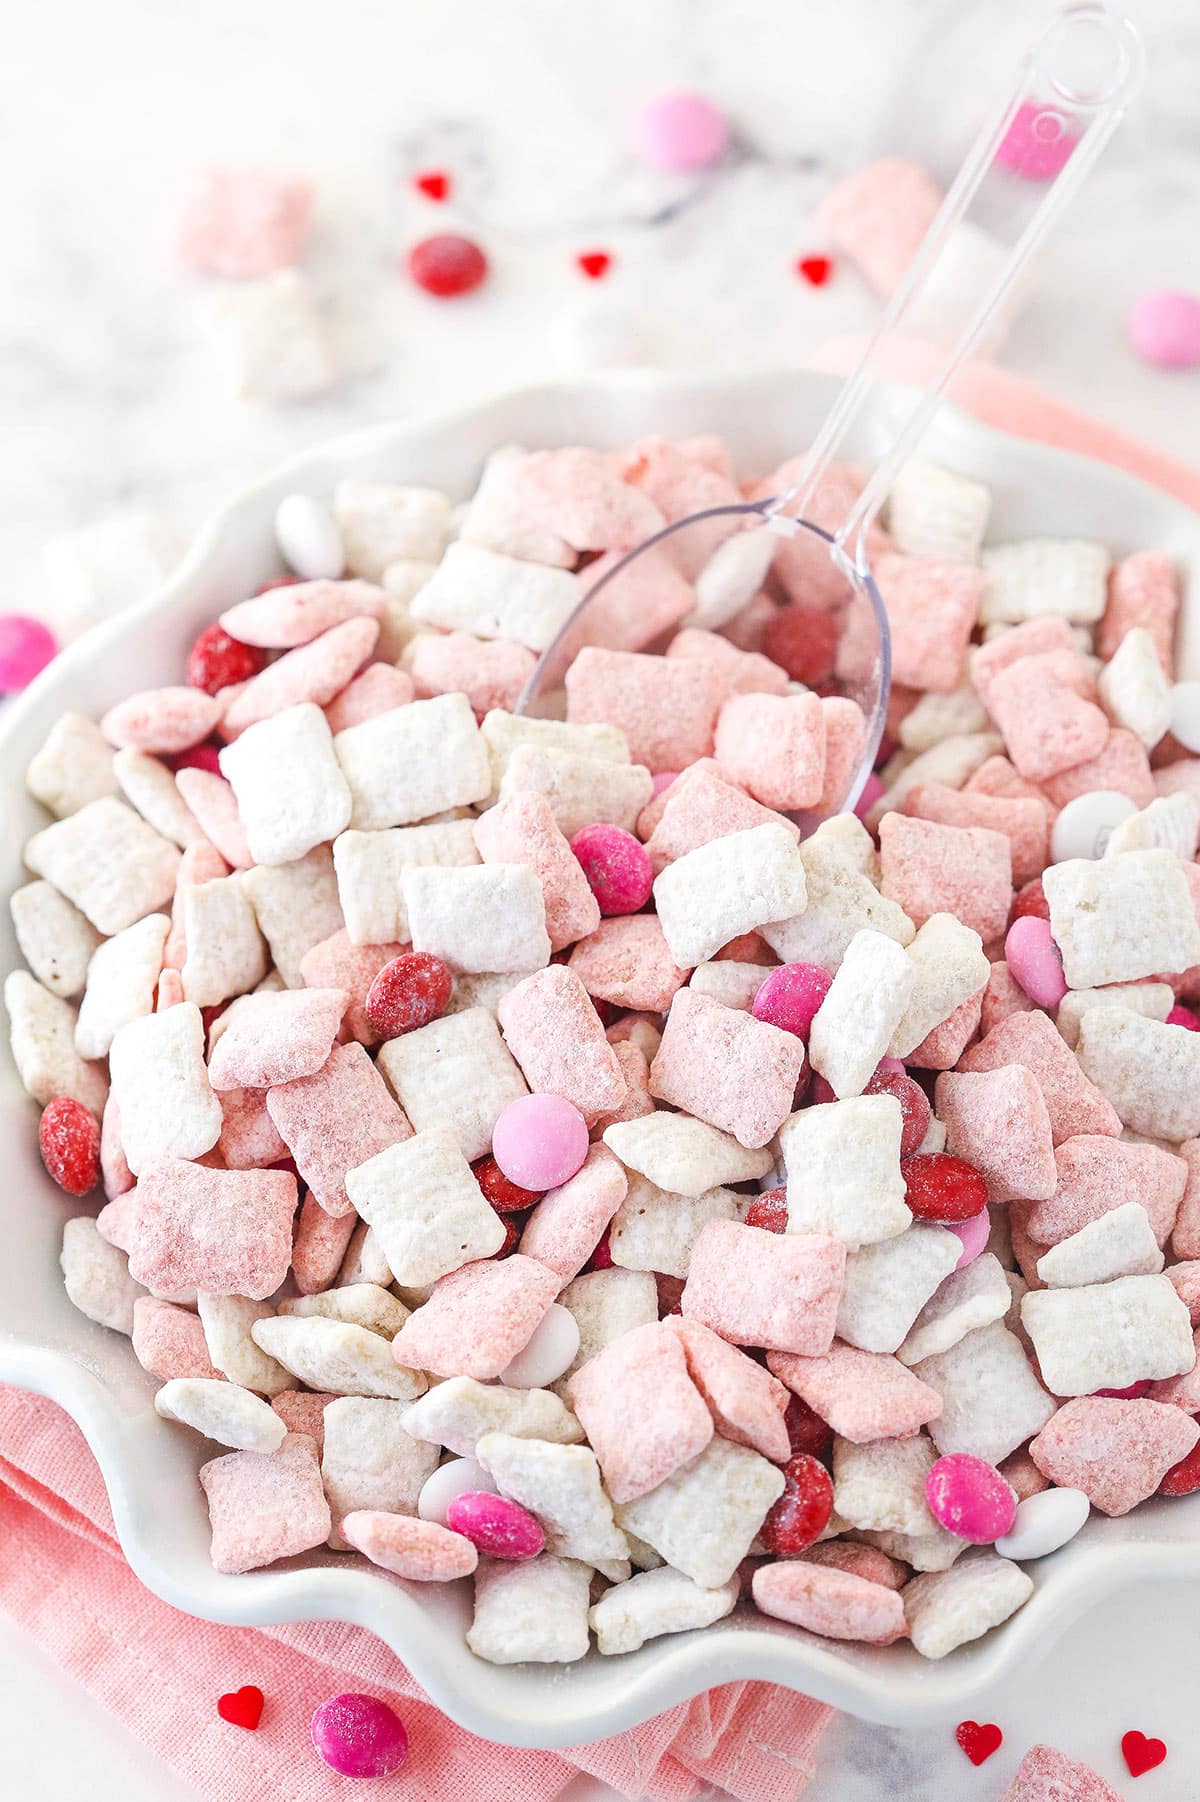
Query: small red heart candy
<point>978,1741</point>
<point>594,263</point>
<point>242,1707</point>
<point>434,183</point>
<point>816,270</point>
<point>1141,1754</point>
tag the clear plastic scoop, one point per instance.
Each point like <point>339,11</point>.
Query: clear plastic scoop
<point>810,545</point>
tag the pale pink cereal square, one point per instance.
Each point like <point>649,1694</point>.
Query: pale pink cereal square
<point>626,962</point>
<point>743,672</point>
<point>860,1560</point>
<point>649,597</point>
<point>242,223</point>
<point>932,607</point>
<point>942,1047</point>
<point>862,1395</point>
<point>556,1036</point>
<point>1022,1474</point>
<point>275,1037</point>
<point>779,1290</point>
<point>161,720</point>
<point>1046,1775</point>
<point>303,1411</point>
<point>478,1318</point>
<point>635,1068</point>
<point>642,1413</point>
<point>1026,1251</point>
<point>522,829</point>
<point>1185,1242</point>
<point>1143,590</point>
<point>567,1224</point>
<point>1185,1280</point>
<point>963,870</point>
<point>998,1121</point>
<point>314,672</point>
<point>1024,823</point>
<point>845,740</point>
<point>169,992</point>
<point>1122,765</point>
<point>724,1066</point>
<point>680,484</point>
<point>419,1550</point>
<point>1180,1391</point>
<point>1074,1104</point>
<point>169,1342</point>
<point>115,1221</point>
<point>118,1177</point>
<point>1032,638</point>
<point>836,1604</point>
<point>338,963</point>
<point>578,495</point>
<point>1117,1452</point>
<point>227,1232</point>
<point>746,1402</point>
<point>774,745</point>
<point>666,708</point>
<point>701,806</point>
<point>1047,726</point>
<point>879,216</point>
<point>335,1120</point>
<point>201,862</point>
<point>265,1505</point>
<point>248,1138</point>
<point>654,809</point>
<point>380,687</point>
<point>997,776</point>
<point>319,1244</point>
<point>1003,997</point>
<point>491,672</point>
<point>282,618</point>
<point>1095,1174</point>
<point>214,804</point>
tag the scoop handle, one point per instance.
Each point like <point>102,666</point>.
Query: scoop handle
<point>1076,79</point>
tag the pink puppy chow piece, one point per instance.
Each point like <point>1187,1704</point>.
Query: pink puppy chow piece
<point>845,737</point>
<point>273,1038</point>
<point>335,1120</point>
<point>419,1550</point>
<point>961,870</point>
<point>319,1245</point>
<point>214,804</point>
<point>1117,1452</point>
<point>1074,1104</point>
<point>242,223</point>
<point>567,1224</point>
<point>118,1177</point>
<point>302,1412</point>
<point>315,672</point>
<point>115,1221</point>
<point>931,607</point>
<point>1047,726</point>
<point>702,805</point>
<point>1143,590</point>
<point>1024,823</point>
<point>338,963</point>
<point>667,708</point>
<point>863,1395</point>
<point>555,1034</point>
<point>265,1505</point>
<point>522,829</point>
<point>998,1121</point>
<point>1185,1280</point>
<point>1096,1174</point>
<point>169,1342</point>
<point>200,863</point>
<point>1121,765</point>
<point>161,720</point>
<point>1045,1775</point>
<point>996,776</point>
<point>679,486</point>
<point>635,1068</point>
<point>743,672</point>
<point>625,961</point>
<point>861,1561</point>
<point>248,1138</point>
<point>747,1404</point>
<point>1031,638</point>
<point>779,1290</point>
<point>642,1413</point>
<point>478,1318</point>
<point>635,609</point>
<point>833,1603</point>
<point>774,745</point>
<point>667,784</point>
<point>1002,998</point>
<point>295,614</point>
<point>380,688</point>
<point>578,495</point>
<point>1186,1240</point>
<point>941,1048</point>
<point>490,672</point>
<point>227,1232</point>
<point>879,216</point>
<point>724,1066</point>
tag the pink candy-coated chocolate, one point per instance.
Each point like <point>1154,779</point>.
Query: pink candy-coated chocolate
<point>539,1141</point>
<point>663,779</point>
<point>681,131</point>
<point>873,790</point>
<point>974,1236</point>
<point>496,1526</point>
<point>26,647</point>
<point>617,868</point>
<point>790,997</point>
<point>1037,143</point>
<point>1035,961</point>
<point>359,1736</point>
<point>970,1499</point>
<point>1183,1016</point>
<point>1164,327</point>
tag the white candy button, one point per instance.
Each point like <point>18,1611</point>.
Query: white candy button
<point>458,1476</point>
<point>1044,1523</point>
<point>548,1353</point>
<point>1185,714</point>
<point>1085,824</point>
<point>309,538</point>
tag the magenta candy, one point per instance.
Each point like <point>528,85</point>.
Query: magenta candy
<point>1037,143</point>
<point>617,867</point>
<point>821,1092</point>
<point>873,788</point>
<point>1034,960</point>
<point>26,647</point>
<point>681,131</point>
<point>970,1498</point>
<point>360,1736</point>
<point>497,1526</point>
<point>790,997</point>
<point>1183,1016</point>
<point>1133,1393</point>
<point>974,1234</point>
<point>1164,328</point>
<point>539,1141</point>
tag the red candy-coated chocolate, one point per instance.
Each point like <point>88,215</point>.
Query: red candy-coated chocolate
<point>205,756</point>
<point>617,867</point>
<point>806,1431</point>
<point>69,1139</point>
<point>1183,1478</point>
<point>407,993</point>
<point>1031,900</point>
<point>802,1512</point>
<point>601,1258</point>
<point>803,640</point>
<point>939,1187</point>
<point>216,660</point>
<point>914,1106</point>
<point>670,1293</point>
<point>512,1235</point>
<point>447,265</point>
<point>505,1196</point>
<point>769,1211</point>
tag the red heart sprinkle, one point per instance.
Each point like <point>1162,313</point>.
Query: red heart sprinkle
<point>434,184</point>
<point>242,1707</point>
<point>594,263</point>
<point>978,1741</point>
<point>816,270</point>
<point>1141,1754</point>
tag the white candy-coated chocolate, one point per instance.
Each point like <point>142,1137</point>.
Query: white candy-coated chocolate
<point>1044,1523</point>
<point>309,538</point>
<point>1083,827</point>
<point>548,1354</point>
<point>457,1476</point>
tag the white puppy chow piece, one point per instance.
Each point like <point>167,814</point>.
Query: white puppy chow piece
<point>991,1400</point>
<point>934,1551</point>
<point>486,990</point>
<point>880,1487</point>
<point>108,861</point>
<point>534,1612</point>
<point>561,1485</point>
<point>951,761</point>
<point>151,789</point>
<point>267,338</point>
<point>94,571</point>
<point>846,835</point>
<point>397,627</point>
<point>54,938</point>
<point>945,1609</point>
<point>1109,1335</point>
<point>505,734</point>
<point>73,767</point>
<point>842,900</point>
<point>227,1320</point>
<point>491,595</point>
<point>888,1283</point>
<point>606,1304</point>
<point>296,906</point>
<point>1170,823</point>
<point>727,887</point>
<point>226,954</point>
<point>370,865</point>
<point>863,1008</point>
<point>221,1411</point>
<point>1153,1000</point>
<point>581,791</point>
<point>364,1262</point>
<point>411,762</point>
<point>653,1603</point>
<point>42,1038</point>
<point>1119,1243</point>
<point>949,966</point>
<point>161,1088</point>
<point>968,1298</point>
<point>1148,1070</point>
<point>482,917</point>
<point>654,1230</point>
<point>935,1137</point>
<point>289,788</point>
<point>843,1165</point>
<point>732,577</point>
<point>458,1413</point>
<point>367,1305</point>
<point>370,1461</point>
<point>940,716</point>
<point>456,1072</point>
<point>932,512</point>
<point>685,1156</point>
<point>337,1358</point>
<point>121,980</point>
<point>1133,689</point>
<point>1118,919</point>
<point>704,1518</point>
<point>96,1276</point>
<point>1066,578</point>
<point>491,517</point>
<point>731,983</point>
<point>384,522</point>
<point>422,1200</point>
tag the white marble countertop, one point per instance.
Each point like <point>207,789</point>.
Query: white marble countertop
<point>108,403</point>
